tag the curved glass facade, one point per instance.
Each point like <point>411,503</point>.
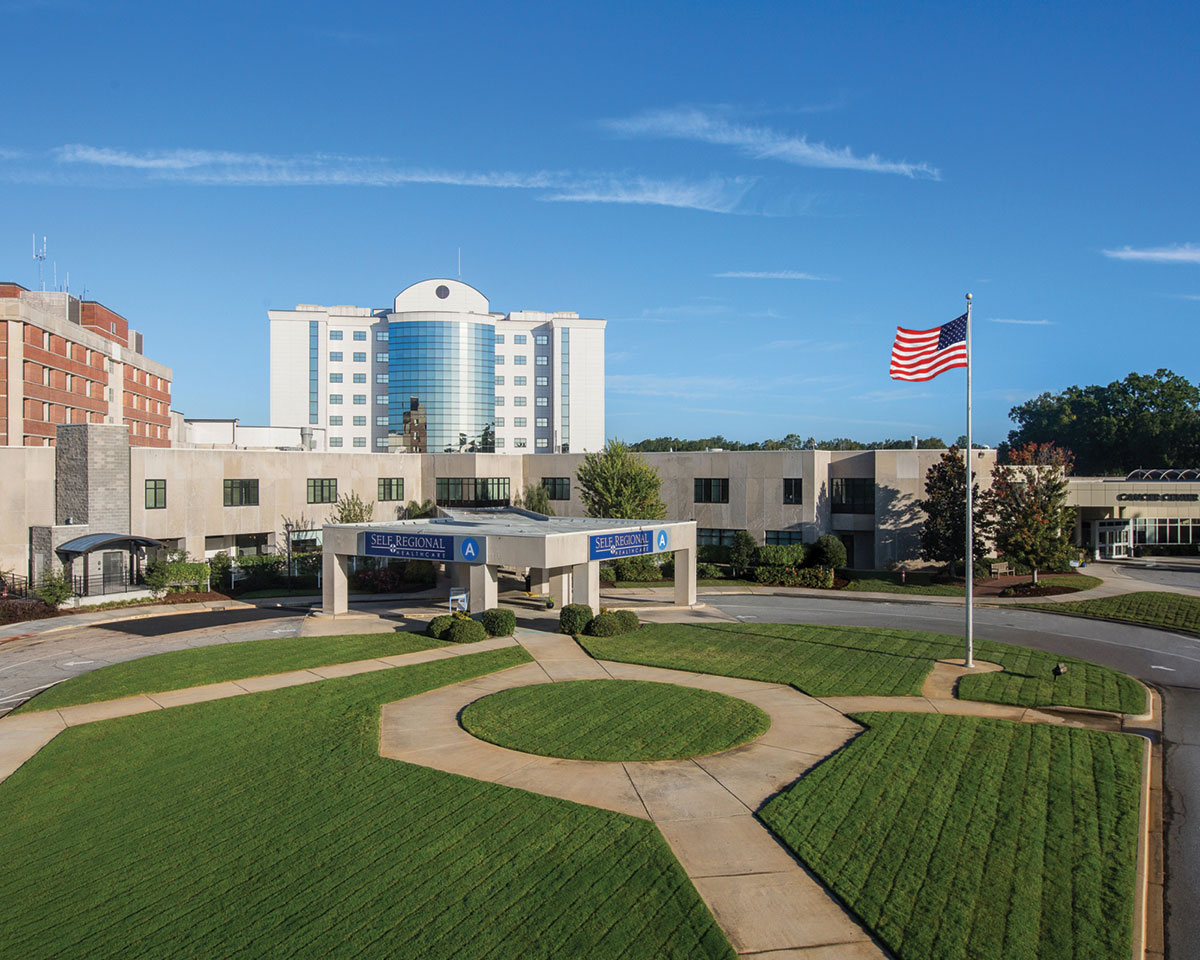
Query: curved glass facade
<point>449,367</point>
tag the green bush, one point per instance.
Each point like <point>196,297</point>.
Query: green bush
<point>261,572</point>
<point>828,551</point>
<point>667,568</point>
<point>639,569</point>
<point>420,571</point>
<point>1166,550</point>
<point>438,626</point>
<point>164,576</point>
<point>781,555</point>
<point>743,552</point>
<point>499,623</point>
<point>608,571</point>
<point>605,625</point>
<point>54,589</point>
<point>574,618</point>
<point>709,571</point>
<point>628,619</point>
<point>709,553</point>
<point>820,578</point>
<point>218,571</point>
<point>466,631</point>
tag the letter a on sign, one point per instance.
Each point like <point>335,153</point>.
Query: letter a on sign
<point>470,549</point>
<point>662,539</point>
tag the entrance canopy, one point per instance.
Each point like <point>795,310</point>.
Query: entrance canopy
<point>96,541</point>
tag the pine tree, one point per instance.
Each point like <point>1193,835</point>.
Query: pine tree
<point>944,535</point>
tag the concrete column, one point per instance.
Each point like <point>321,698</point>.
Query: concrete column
<point>194,546</point>
<point>335,585</point>
<point>685,577</point>
<point>585,580</point>
<point>483,577</point>
<point>560,585</point>
<point>539,581</point>
<point>15,411</point>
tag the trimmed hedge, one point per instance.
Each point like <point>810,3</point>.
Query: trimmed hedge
<point>781,555</point>
<point>605,625</point>
<point>640,569</point>
<point>709,571</point>
<point>466,631</point>
<point>828,551</point>
<point>820,578</point>
<point>499,623</point>
<point>574,618</point>
<point>629,620</point>
<point>439,626</point>
<point>164,575</point>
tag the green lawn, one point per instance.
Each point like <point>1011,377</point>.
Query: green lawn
<point>972,839</point>
<point>889,583</point>
<point>268,826</point>
<point>614,720</point>
<point>850,661</point>
<point>227,661</point>
<point>1149,607</point>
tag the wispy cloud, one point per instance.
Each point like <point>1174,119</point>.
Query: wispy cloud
<point>1179,253</point>
<point>1187,296</point>
<point>891,396</point>
<point>1023,323</point>
<point>768,275</point>
<point>760,142</point>
<point>8,154</point>
<point>672,314</point>
<point>224,168</point>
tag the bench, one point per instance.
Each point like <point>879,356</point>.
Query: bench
<point>1000,569</point>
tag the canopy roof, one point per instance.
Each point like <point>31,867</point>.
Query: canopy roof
<point>93,541</point>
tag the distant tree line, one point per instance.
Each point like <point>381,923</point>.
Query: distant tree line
<point>792,441</point>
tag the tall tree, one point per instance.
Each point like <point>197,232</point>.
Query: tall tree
<point>351,508</point>
<point>1032,523</point>
<point>536,499</point>
<point>616,482</point>
<point>944,534</point>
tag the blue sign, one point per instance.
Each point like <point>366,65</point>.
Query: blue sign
<point>660,541</point>
<point>609,546</point>
<point>424,546</point>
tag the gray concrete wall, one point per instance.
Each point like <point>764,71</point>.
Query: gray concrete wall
<point>26,498</point>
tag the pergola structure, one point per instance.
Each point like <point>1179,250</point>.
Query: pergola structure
<point>563,554</point>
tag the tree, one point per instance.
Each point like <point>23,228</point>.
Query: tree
<point>616,482</point>
<point>351,508</point>
<point>54,588</point>
<point>944,534</point>
<point>536,499</point>
<point>1028,502</point>
<point>742,552</point>
<point>416,511</point>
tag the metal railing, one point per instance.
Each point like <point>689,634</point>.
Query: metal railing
<point>102,585</point>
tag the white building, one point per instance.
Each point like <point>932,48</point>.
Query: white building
<point>439,372</point>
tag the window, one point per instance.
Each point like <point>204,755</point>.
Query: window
<point>543,361</point>
<point>518,421</point>
<point>519,401</point>
<point>381,336</point>
<point>337,378</point>
<point>335,441</point>
<point>391,488</point>
<point>543,381</point>
<point>541,339</point>
<point>360,378</point>
<point>335,356</point>
<point>472,491</point>
<point>519,442</point>
<point>381,398</point>
<point>542,443</point>
<point>335,398</point>
<point>499,422</point>
<point>520,381</point>
<point>714,537</point>
<point>542,401</point>
<point>519,359</point>
<point>499,401</point>
<point>381,442</point>
<point>360,398</point>
<point>792,487</point>
<point>381,358</point>
<point>335,421</point>
<point>360,334</point>
<point>714,490</point>
<point>156,494</point>
<point>379,377</point>
<point>519,338</point>
<point>381,421</point>
<point>499,360</point>
<point>779,538</point>
<point>360,356</point>
<point>241,493</point>
<point>322,491</point>
<point>557,488</point>
<point>500,381</point>
<point>542,422</point>
<point>337,335</point>
<point>360,441</point>
<point>500,338</point>
<point>499,443</point>
<point>852,495</point>
<point>360,421</point>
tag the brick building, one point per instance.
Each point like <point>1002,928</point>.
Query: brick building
<point>66,360</point>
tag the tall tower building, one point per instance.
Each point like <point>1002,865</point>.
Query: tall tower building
<point>439,372</point>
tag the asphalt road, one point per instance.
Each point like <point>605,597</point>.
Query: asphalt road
<point>1170,661</point>
<point>1164,576</point>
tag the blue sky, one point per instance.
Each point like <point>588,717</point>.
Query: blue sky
<point>753,195</point>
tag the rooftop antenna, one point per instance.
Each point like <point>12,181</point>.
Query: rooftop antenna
<point>40,258</point>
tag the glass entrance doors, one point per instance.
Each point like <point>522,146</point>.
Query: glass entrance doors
<point>1113,539</point>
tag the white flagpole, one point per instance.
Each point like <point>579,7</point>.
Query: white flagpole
<point>968,458</point>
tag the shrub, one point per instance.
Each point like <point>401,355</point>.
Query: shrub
<point>782,555</point>
<point>709,571</point>
<point>499,623</point>
<point>218,570</point>
<point>820,578</point>
<point>828,551</point>
<point>54,589</point>
<point>1166,550</point>
<point>708,553</point>
<point>466,631</point>
<point>628,619</point>
<point>608,571</point>
<point>667,568</point>
<point>605,625</point>
<point>420,571</point>
<point>438,626</point>
<point>639,569</point>
<point>574,618</point>
<point>743,552</point>
<point>163,576</point>
<point>14,611</point>
<point>261,572</point>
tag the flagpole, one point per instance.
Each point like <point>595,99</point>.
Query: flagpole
<point>967,459</point>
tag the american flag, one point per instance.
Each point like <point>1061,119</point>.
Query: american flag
<point>923,354</point>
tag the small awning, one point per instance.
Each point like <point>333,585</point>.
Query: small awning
<point>306,535</point>
<point>94,541</point>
